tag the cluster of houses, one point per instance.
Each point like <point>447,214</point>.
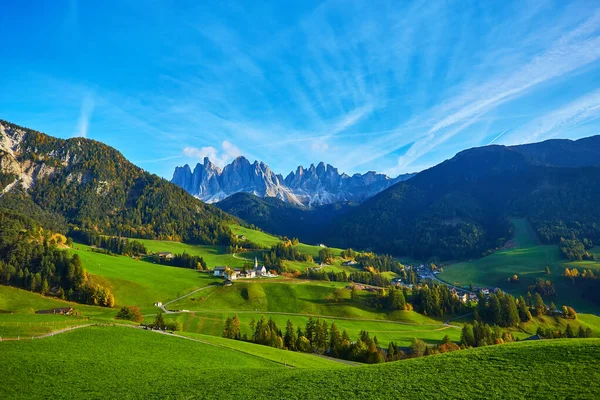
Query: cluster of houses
<point>463,296</point>
<point>236,273</point>
<point>60,311</point>
<point>358,286</point>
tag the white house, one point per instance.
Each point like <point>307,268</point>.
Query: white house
<point>259,271</point>
<point>235,273</point>
<point>219,271</point>
<point>248,274</point>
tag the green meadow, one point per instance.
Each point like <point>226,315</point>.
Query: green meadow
<point>212,255</point>
<point>138,282</point>
<point>284,357</point>
<point>269,240</point>
<point>401,332</point>
<point>129,363</point>
<point>255,236</point>
<point>18,318</point>
<point>528,260</point>
<point>284,296</point>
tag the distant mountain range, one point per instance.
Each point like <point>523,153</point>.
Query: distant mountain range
<point>313,186</point>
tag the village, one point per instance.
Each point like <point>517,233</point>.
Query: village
<point>232,274</point>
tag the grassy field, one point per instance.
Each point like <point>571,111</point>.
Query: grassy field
<point>289,358</point>
<point>212,255</point>
<point>255,236</point>
<point>336,266</point>
<point>141,283</point>
<point>18,318</point>
<point>212,323</point>
<point>286,296</point>
<point>268,240</point>
<point>128,363</point>
<point>528,260</point>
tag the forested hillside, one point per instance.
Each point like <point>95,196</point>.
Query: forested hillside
<point>460,208</point>
<point>91,185</point>
<point>285,219</point>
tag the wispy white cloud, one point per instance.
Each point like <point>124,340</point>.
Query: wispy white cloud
<point>219,157</point>
<point>85,114</point>
<point>573,50</point>
<point>584,109</point>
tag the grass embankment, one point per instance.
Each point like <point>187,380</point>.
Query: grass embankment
<point>128,363</point>
<point>528,260</point>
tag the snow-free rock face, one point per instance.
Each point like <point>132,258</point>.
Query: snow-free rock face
<point>318,185</point>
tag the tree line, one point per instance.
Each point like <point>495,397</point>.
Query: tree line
<point>575,250</point>
<point>183,260</point>
<point>115,245</point>
<point>273,259</point>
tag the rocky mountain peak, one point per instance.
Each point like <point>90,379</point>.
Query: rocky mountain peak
<point>316,185</point>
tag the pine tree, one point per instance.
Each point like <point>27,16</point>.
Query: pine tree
<point>335,340</point>
<point>540,307</point>
<point>159,322</point>
<point>228,330</point>
<point>512,318</point>
<point>235,326</point>
<point>290,338</point>
<point>466,337</point>
<point>524,314</point>
<point>569,331</point>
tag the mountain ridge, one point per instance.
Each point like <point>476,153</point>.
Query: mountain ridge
<point>306,187</point>
<point>87,184</point>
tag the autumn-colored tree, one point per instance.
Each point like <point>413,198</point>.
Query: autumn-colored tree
<point>130,313</point>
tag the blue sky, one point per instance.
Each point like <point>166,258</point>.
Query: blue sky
<point>392,86</point>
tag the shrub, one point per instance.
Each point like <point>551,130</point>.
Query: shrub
<point>130,313</point>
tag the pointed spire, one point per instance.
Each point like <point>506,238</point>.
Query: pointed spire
<point>255,263</point>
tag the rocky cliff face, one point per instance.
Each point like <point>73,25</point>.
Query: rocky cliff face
<point>318,185</point>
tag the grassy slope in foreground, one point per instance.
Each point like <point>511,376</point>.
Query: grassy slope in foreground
<point>290,358</point>
<point>122,363</point>
<point>528,260</point>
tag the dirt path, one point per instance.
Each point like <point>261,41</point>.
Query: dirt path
<point>46,335</point>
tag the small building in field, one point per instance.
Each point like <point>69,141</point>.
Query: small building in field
<point>219,271</point>
<point>166,255</point>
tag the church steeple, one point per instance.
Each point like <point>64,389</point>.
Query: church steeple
<point>255,263</point>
